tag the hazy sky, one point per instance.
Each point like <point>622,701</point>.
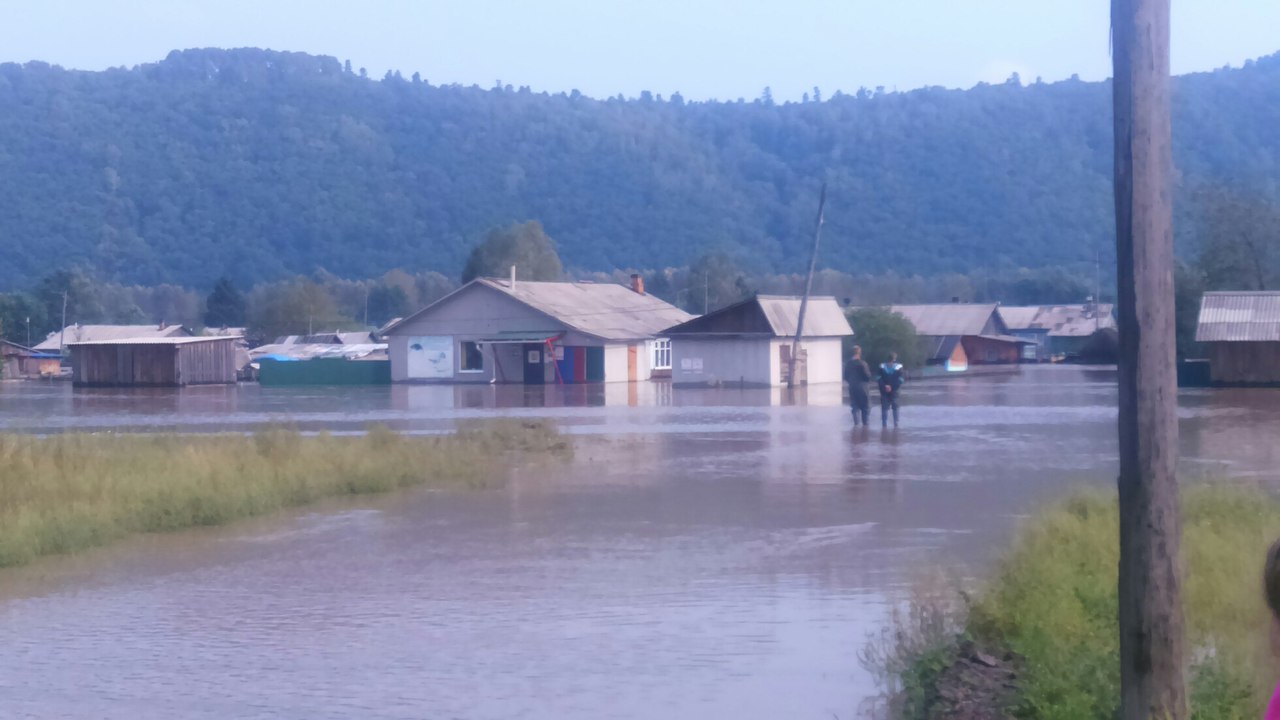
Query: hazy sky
<point>703,48</point>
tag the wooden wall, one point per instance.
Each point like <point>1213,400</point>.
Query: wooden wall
<point>161,365</point>
<point>1245,363</point>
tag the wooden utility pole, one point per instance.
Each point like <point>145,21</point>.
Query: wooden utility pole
<point>808,285</point>
<point>1152,681</point>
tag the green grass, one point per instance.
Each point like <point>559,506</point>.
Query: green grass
<point>1053,602</point>
<point>65,493</point>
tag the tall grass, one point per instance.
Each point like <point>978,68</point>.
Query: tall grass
<point>1053,602</point>
<point>65,493</point>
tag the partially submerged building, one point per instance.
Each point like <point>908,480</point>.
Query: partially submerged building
<point>955,336</point>
<point>1056,331</point>
<point>99,333</point>
<point>19,361</point>
<point>1241,331</point>
<point>153,361</point>
<point>748,344</point>
<point>508,331</point>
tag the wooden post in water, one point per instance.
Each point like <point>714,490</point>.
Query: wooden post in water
<point>1152,682</point>
<point>808,286</point>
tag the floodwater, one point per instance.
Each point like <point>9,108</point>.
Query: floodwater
<point>707,554</point>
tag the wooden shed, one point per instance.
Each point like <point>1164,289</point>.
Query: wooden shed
<point>1242,333</point>
<point>154,362</point>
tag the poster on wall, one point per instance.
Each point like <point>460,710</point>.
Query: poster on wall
<point>430,356</point>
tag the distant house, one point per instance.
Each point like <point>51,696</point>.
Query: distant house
<point>1056,330</point>
<point>749,343</point>
<point>97,333</point>
<point>153,361</point>
<point>956,335</point>
<point>1242,333</point>
<point>15,360</point>
<point>505,331</point>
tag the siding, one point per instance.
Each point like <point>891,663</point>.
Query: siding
<point>154,364</point>
<point>722,361</point>
<point>1244,363</point>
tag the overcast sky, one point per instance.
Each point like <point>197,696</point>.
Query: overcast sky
<point>702,48</point>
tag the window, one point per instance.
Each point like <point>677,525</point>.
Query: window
<point>661,354</point>
<point>470,358</point>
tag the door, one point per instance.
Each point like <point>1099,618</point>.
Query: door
<point>534,372</point>
<point>633,363</point>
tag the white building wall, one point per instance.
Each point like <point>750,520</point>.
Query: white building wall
<point>721,361</point>
<point>615,363</point>
<point>825,362</point>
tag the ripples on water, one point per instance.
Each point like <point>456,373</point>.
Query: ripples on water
<point>708,554</point>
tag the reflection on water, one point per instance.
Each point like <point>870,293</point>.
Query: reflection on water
<point>707,553</point>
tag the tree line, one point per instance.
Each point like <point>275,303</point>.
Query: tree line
<point>263,166</point>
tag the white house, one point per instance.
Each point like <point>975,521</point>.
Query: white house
<point>749,344</point>
<point>508,331</point>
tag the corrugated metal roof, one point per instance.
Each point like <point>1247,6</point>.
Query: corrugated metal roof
<point>822,318</point>
<point>1239,317</point>
<point>1080,320</point>
<point>768,316</point>
<point>947,318</point>
<point>605,310</point>
<point>306,351</point>
<point>93,333</point>
<point>153,341</point>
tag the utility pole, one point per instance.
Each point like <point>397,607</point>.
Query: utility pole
<point>808,285</point>
<point>1097,290</point>
<point>1152,678</point>
<point>62,337</point>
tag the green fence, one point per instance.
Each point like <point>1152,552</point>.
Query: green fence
<point>324,371</point>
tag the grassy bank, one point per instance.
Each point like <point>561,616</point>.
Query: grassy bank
<point>70,492</point>
<point>1051,611</point>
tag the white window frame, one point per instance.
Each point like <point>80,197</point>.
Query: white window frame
<point>462,357</point>
<point>660,354</point>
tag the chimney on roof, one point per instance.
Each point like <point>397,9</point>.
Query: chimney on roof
<point>637,283</point>
<point>513,277</point>
<point>161,324</point>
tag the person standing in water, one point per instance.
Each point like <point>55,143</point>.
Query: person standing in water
<point>857,374</point>
<point>890,382</point>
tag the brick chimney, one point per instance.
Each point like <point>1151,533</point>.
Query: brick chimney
<point>637,283</point>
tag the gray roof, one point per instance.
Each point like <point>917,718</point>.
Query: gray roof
<point>1080,320</point>
<point>1239,317</point>
<point>92,333</point>
<point>604,310</point>
<point>947,318</point>
<point>153,340</point>
<point>770,316</point>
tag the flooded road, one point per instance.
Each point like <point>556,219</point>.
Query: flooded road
<point>707,553</point>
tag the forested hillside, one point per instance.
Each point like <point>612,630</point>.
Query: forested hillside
<point>260,165</point>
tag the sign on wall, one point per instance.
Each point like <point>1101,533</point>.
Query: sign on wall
<point>430,356</point>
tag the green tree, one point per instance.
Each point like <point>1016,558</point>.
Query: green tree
<point>295,307</point>
<point>524,245</point>
<point>83,300</point>
<point>714,281</point>
<point>1188,289</point>
<point>225,306</point>
<point>387,302</point>
<point>1240,240</point>
<point>21,318</point>
<point>880,332</point>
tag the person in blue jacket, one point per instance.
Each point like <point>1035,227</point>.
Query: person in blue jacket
<point>890,381</point>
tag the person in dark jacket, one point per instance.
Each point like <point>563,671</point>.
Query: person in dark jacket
<point>858,374</point>
<point>890,382</point>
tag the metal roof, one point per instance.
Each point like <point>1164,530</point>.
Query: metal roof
<point>948,318</point>
<point>96,333</point>
<point>604,310</point>
<point>1080,320</point>
<point>306,351</point>
<point>153,341</point>
<point>770,316</point>
<point>1239,317</point>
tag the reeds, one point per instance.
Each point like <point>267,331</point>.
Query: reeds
<point>65,493</point>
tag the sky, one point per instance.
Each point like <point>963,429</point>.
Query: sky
<point>704,49</point>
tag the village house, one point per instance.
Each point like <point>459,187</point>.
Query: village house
<point>1055,331</point>
<point>1241,331</point>
<point>19,361</point>
<point>153,361</point>
<point>748,344</point>
<point>955,335</point>
<point>96,333</point>
<point>508,331</point>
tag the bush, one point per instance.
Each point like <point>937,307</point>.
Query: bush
<point>881,331</point>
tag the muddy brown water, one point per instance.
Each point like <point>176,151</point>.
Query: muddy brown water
<point>706,554</point>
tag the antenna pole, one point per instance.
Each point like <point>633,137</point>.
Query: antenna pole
<point>808,285</point>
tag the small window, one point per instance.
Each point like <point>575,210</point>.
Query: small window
<point>662,354</point>
<point>471,358</point>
